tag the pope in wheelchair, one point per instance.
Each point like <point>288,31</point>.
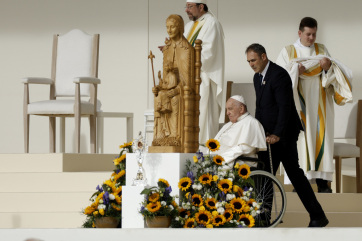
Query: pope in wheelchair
<point>240,140</point>
<point>242,136</point>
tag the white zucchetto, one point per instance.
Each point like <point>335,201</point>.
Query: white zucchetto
<point>239,98</point>
<point>197,1</point>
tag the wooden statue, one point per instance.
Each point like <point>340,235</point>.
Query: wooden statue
<point>176,103</point>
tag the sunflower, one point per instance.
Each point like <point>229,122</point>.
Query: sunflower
<point>118,160</point>
<point>101,211</point>
<point>195,159</point>
<point>153,207</point>
<point>119,175</point>
<point>211,203</point>
<point>154,197</point>
<point>118,191</point>
<point>189,223</point>
<point>95,213</point>
<point>125,145</point>
<point>238,204</point>
<point>225,185</point>
<point>183,213</point>
<point>197,200</point>
<point>228,214</point>
<point>244,171</point>
<point>184,183</point>
<point>209,226</point>
<point>218,160</point>
<point>89,210</point>
<point>247,219</point>
<point>213,145</point>
<point>164,181</point>
<point>116,207</point>
<point>205,179</point>
<point>218,220</point>
<point>203,217</point>
<point>174,204</point>
<point>118,199</point>
<point>238,190</point>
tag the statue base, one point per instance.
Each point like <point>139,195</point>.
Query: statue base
<point>164,149</point>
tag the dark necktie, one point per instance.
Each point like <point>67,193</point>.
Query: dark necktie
<point>261,79</point>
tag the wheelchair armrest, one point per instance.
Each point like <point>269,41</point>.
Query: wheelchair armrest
<point>250,159</point>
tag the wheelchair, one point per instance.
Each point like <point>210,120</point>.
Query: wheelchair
<point>270,192</point>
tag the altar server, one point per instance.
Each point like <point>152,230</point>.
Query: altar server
<point>319,81</point>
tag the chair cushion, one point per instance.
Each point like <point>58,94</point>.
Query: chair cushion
<point>60,107</point>
<point>346,150</point>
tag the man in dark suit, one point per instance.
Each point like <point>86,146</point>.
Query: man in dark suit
<point>275,109</point>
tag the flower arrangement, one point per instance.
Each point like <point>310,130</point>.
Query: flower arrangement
<point>158,201</point>
<point>107,200</point>
<point>214,195</point>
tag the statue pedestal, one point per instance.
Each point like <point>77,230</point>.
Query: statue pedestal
<point>168,166</point>
<point>164,149</point>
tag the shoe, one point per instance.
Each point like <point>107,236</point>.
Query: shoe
<point>319,222</point>
<point>325,190</point>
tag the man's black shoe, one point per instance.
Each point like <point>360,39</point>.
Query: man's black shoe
<point>319,222</point>
<point>325,190</point>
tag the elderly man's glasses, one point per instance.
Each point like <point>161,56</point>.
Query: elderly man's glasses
<point>190,6</point>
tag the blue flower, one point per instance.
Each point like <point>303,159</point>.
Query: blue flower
<point>106,198</point>
<point>100,189</point>
<point>200,155</point>
<point>117,171</point>
<point>168,190</point>
<point>191,176</point>
<point>222,196</point>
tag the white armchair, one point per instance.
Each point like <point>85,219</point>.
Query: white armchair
<point>74,75</point>
<point>348,125</point>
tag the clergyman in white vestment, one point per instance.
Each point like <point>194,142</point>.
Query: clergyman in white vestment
<point>319,81</point>
<point>206,27</point>
<point>243,135</point>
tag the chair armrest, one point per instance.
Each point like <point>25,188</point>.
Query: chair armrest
<point>87,80</point>
<point>37,80</point>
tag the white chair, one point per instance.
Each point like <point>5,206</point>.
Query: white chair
<point>74,75</point>
<point>347,125</point>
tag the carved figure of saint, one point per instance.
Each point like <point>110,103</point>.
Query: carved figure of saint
<point>178,73</point>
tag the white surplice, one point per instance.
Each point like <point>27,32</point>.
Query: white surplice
<point>212,73</point>
<point>310,87</point>
<point>244,137</point>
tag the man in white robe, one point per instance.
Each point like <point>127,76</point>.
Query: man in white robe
<point>206,27</point>
<point>319,81</point>
<point>243,135</point>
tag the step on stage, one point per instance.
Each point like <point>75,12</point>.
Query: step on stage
<point>167,234</point>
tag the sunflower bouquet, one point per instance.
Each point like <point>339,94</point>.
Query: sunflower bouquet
<point>107,200</point>
<point>158,201</point>
<point>214,195</point>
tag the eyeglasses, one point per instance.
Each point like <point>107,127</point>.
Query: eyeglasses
<point>190,6</point>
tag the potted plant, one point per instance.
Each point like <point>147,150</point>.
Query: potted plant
<point>214,195</point>
<point>105,210</point>
<point>159,207</point>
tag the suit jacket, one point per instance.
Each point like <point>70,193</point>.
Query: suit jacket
<point>275,107</point>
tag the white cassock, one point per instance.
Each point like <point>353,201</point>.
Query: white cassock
<point>244,137</point>
<point>317,90</point>
<point>209,30</point>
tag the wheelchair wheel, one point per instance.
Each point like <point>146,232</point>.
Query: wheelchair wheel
<point>270,192</point>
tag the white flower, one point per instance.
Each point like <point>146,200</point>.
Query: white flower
<point>101,206</point>
<point>193,208</point>
<point>163,203</point>
<point>101,201</point>
<point>230,179</point>
<point>253,213</point>
<point>171,207</point>
<point>221,210</point>
<point>230,197</point>
<point>177,218</point>
<point>218,204</point>
<point>194,186</point>
<point>111,197</point>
